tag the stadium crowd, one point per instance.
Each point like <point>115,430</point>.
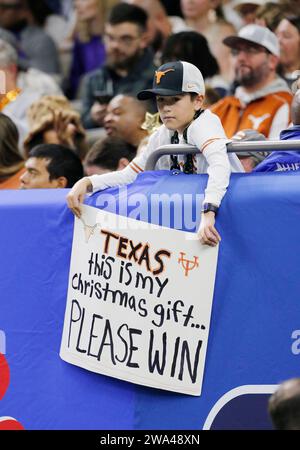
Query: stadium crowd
<point>70,72</point>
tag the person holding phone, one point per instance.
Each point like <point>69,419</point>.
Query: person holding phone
<point>129,63</point>
<point>99,108</point>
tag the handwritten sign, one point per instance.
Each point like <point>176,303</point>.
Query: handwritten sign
<point>139,302</point>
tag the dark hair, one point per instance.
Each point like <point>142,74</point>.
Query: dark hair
<point>40,11</point>
<point>123,12</point>
<point>272,13</point>
<point>9,151</point>
<point>36,140</point>
<point>294,20</point>
<point>107,153</point>
<point>63,162</point>
<point>80,143</point>
<point>191,47</point>
<point>284,405</point>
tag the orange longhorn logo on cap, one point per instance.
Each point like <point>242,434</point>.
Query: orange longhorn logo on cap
<point>160,74</point>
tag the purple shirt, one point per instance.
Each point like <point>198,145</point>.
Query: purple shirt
<point>86,57</point>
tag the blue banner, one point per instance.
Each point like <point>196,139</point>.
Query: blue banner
<point>254,340</point>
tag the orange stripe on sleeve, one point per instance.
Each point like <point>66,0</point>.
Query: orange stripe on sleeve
<point>137,167</point>
<point>208,142</point>
<point>133,168</point>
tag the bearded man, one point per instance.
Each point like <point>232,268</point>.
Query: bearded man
<point>262,99</point>
<point>129,63</point>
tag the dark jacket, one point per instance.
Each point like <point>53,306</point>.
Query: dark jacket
<point>106,81</point>
<point>39,49</point>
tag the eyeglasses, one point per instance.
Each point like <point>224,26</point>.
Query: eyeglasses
<point>248,50</point>
<point>125,40</point>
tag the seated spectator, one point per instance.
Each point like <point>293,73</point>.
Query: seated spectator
<point>29,78</point>
<point>172,7</point>
<point>11,162</point>
<point>269,15</point>
<point>129,65</point>
<point>247,10</point>
<point>37,48</point>
<point>59,26</point>
<point>284,405</point>
<point>39,82</point>
<point>204,16</point>
<point>291,5</point>
<point>42,15</point>
<point>262,99</point>
<point>212,96</point>
<point>51,166</point>
<point>296,84</point>
<point>288,34</point>
<point>108,155</point>
<point>160,25</point>
<point>230,13</point>
<point>52,120</point>
<point>14,102</point>
<point>249,160</point>
<point>124,118</point>
<point>88,51</point>
<point>192,47</point>
<point>284,161</point>
<point>56,5</point>
<point>63,7</point>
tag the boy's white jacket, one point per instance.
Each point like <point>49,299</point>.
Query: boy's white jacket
<point>207,134</point>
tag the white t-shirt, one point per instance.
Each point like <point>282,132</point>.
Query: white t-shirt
<point>207,134</point>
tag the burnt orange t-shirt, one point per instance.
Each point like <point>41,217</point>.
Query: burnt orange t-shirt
<point>14,181</point>
<point>257,115</point>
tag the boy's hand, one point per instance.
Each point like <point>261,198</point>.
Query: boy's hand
<point>207,232</point>
<point>76,195</point>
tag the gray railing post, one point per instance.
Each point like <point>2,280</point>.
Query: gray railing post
<point>232,147</point>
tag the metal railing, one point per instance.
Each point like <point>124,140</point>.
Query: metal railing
<point>232,147</point>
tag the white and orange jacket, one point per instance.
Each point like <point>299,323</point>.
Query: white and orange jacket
<point>266,110</point>
<point>207,134</point>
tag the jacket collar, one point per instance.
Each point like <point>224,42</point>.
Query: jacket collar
<point>277,85</point>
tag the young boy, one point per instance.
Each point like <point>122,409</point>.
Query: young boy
<point>179,90</point>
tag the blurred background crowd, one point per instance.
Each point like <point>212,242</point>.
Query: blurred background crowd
<point>70,71</point>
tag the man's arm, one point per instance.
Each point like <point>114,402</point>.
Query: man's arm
<point>90,82</point>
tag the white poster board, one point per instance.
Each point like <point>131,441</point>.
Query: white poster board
<point>139,302</point>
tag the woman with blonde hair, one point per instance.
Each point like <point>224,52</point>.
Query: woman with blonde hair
<point>88,50</point>
<point>11,162</point>
<point>53,120</point>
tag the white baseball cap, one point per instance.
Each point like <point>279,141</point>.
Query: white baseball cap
<point>256,34</point>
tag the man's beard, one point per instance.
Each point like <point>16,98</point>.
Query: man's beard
<point>124,64</point>
<point>252,77</point>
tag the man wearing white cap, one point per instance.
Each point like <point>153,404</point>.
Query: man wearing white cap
<point>262,100</point>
